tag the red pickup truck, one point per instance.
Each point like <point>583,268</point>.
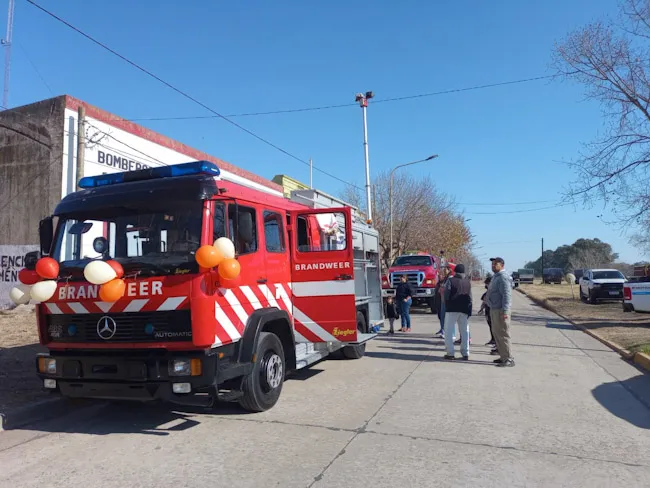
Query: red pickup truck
<point>422,272</point>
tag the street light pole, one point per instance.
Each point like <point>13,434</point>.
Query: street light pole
<point>390,198</point>
<point>363,103</point>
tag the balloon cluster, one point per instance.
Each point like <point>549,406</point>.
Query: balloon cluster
<point>222,255</point>
<point>109,275</point>
<point>38,284</point>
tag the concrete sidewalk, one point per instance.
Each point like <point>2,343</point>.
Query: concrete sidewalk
<point>570,413</point>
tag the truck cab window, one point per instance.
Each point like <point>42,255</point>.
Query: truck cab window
<point>273,232</point>
<point>219,221</point>
<point>322,232</point>
<point>243,229</point>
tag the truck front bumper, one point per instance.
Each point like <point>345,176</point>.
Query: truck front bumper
<point>134,377</point>
<point>419,292</point>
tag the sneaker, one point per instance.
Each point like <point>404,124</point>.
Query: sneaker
<point>508,363</point>
<point>494,352</point>
<point>499,361</point>
<point>439,335</point>
<point>465,358</point>
<point>491,343</point>
<point>447,356</point>
<point>457,342</point>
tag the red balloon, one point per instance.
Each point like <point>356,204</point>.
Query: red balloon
<point>28,276</point>
<point>117,267</point>
<point>47,268</point>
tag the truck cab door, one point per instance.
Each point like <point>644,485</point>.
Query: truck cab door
<point>322,275</point>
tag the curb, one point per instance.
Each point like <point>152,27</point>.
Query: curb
<point>639,358</point>
<point>45,410</point>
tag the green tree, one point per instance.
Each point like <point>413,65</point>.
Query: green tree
<point>583,253</point>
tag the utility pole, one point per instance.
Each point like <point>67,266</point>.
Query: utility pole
<point>6,42</point>
<point>311,174</point>
<point>363,103</point>
<point>542,260</point>
<point>81,142</point>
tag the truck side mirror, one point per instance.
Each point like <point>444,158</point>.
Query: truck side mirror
<point>46,235</point>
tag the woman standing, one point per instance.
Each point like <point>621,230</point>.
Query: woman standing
<point>440,299</point>
<point>404,296</point>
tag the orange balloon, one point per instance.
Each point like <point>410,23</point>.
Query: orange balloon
<point>47,268</point>
<point>113,290</point>
<point>208,257</point>
<point>229,269</point>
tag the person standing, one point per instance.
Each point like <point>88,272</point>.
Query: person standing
<point>440,299</point>
<point>458,303</point>
<point>404,296</point>
<point>486,309</point>
<point>499,299</point>
<point>391,313</point>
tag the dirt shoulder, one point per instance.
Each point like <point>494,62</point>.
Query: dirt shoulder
<point>18,346</point>
<point>630,330</point>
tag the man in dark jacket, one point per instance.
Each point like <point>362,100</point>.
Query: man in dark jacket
<point>458,304</point>
<point>404,297</point>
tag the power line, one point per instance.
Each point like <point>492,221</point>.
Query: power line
<point>182,93</point>
<point>342,105</point>
<point>519,211</point>
<point>38,73</point>
<point>507,204</point>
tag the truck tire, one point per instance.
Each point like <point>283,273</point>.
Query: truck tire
<point>357,352</point>
<point>592,300</point>
<point>262,387</point>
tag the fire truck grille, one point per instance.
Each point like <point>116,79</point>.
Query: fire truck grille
<point>166,326</point>
<point>415,278</point>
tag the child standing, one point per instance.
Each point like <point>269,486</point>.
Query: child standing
<point>391,313</point>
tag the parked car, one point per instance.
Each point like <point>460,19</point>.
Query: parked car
<point>602,284</point>
<point>553,275</point>
<point>578,273</point>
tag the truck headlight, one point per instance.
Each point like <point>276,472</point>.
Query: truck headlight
<point>185,367</point>
<point>47,365</point>
<point>429,282</point>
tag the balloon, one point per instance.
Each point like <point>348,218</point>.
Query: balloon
<point>43,290</point>
<point>99,272</point>
<point>47,268</point>
<point>20,294</point>
<point>208,257</point>
<point>28,276</point>
<point>229,269</point>
<point>117,267</point>
<point>226,247</point>
<point>113,290</point>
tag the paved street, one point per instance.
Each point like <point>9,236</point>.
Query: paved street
<point>571,413</point>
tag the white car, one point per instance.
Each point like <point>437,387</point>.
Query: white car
<point>602,284</point>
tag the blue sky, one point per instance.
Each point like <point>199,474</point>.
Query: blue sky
<point>498,145</point>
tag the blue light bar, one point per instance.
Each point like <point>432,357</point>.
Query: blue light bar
<point>171,171</point>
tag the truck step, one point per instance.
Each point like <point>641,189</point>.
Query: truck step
<point>305,360</point>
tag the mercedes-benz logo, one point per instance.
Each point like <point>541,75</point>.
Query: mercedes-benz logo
<point>106,328</point>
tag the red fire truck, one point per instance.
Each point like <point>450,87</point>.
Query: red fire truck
<point>309,285</point>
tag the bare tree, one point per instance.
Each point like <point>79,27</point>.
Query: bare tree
<point>611,59</point>
<point>423,217</point>
<point>587,259</point>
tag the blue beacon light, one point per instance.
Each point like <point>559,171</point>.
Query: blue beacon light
<point>174,170</point>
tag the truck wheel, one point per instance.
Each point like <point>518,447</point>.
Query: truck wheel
<point>592,299</point>
<point>357,352</point>
<point>263,385</point>
<point>582,296</point>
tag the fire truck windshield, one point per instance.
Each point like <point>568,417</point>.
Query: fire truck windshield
<point>158,239</point>
<point>413,261</point>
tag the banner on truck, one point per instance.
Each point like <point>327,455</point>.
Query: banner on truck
<point>12,260</point>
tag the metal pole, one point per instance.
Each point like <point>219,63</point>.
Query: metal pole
<point>311,174</point>
<point>365,149</point>
<point>7,44</point>
<point>81,143</point>
<point>542,260</point>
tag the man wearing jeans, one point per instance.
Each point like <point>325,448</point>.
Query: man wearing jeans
<point>499,299</point>
<point>458,304</point>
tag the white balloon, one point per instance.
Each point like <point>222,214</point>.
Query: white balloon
<point>20,294</point>
<point>226,247</point>
<point>99,272</point>
<point>43,290</point>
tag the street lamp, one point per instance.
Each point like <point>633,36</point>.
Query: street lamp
<point>390,197</point>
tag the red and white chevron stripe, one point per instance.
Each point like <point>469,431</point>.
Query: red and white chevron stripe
<point>233,306</point>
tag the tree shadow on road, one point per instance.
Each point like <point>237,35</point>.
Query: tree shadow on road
<point>613,397</point>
